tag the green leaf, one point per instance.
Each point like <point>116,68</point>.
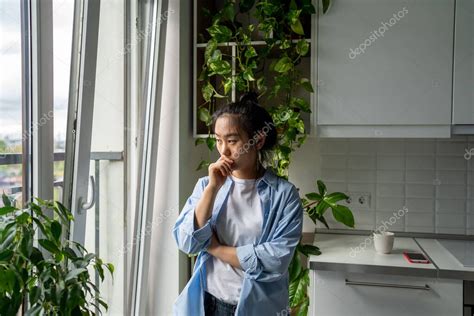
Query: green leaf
<point>204,115</point>
<point>306,84</point>
<point>302,104</point>
<point>309,250</point>
<point>6,200</point>
<point>227,85</point>
<point>48,245</point>
<point>318,217</point>
<point>283,64</point>
<point>41,227</point>
<point>211,143</point>
<point>220,67</point>
<point>314,196</point>
<point>56,230</point>
<point>321,187</point>
<point>303,310</point>
<point>246,5</point>
<point>307,7</point>
<point>74,273</point>
<point>220,33</point>
<point>66,213</point>
<point>216,56</point>
<point>7,239</point>
<point>302,47</point>
<point>294,268</point>
<point>100,270</point>
<point>101,302</point>
<point>23,218</point>
<point>203,164</point>
<point>228,12</point>
<point>199,141</point>
<point>261,83</point>
<point>34,293</point>
<point>250,52</point>
<point>293,5</point>
<point>326,4</point>
<point>110,267</point>
<point>335,197</point>
<point>343,215</point>
<point>207,91</point>
<point>299,288</point>
<point>297,27</point>
<point>210,48</point>
<point>295,23</point>
<point>6,255</point>
<point>322,207</point>
<point>248,75</point>
<point>70,253</point>
<point>36,256</point>
<point>26,244</point>
<point>7,209</point>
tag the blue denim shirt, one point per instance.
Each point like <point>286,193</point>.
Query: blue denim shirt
<point>265,264</point>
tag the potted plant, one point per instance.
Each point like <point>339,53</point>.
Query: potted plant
<point>51,273</point>
<point>281,27</point>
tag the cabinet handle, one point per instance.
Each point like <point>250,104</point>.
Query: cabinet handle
<point>426,287</point>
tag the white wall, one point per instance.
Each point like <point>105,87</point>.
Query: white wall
<point>430,177</point>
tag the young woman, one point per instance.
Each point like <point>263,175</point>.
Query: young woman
<point>242,219</point>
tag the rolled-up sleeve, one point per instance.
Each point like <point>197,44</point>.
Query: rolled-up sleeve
<point>189,239</point>
<point>269,261</point>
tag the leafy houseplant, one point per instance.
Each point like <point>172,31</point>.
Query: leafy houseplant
<point>51,272</point>
<point>280,25</point>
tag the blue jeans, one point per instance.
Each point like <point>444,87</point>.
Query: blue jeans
<point>215,307</point>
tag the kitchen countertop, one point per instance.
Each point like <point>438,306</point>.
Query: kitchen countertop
<point>443,254</point>
<point>356,253</point>
<point>348,253</point>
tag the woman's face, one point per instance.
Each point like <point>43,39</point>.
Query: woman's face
<point>233,143</point>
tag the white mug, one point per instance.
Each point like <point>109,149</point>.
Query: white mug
<point>383,241</point>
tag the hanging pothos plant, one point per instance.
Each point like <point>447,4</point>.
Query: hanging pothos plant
<point>278,25</point>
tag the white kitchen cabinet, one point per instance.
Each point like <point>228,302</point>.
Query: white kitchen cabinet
<point>384,69</point>
<point>332,295</point>
<point>463,91</point>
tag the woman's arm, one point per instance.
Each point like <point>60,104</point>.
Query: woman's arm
<point>204,207</point>
<point>269,260</point>
<point>227,254</point>
<point>188,238</point>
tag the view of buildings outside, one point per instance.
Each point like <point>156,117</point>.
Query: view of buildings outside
<point>10,88</point>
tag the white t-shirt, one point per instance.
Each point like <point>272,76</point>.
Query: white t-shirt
<point>239,223</point>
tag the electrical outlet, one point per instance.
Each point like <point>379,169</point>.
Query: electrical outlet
<point>359,199</point>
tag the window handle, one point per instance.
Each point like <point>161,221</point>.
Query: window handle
<point>84,206</point>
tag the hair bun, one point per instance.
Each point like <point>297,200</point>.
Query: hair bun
<point>249,97</point>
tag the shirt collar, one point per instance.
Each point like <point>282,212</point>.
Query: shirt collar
<point>269,177</point>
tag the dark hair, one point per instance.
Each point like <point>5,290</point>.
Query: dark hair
<point>252,119</point>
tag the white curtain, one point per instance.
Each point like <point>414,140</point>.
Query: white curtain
<point>155,271</point>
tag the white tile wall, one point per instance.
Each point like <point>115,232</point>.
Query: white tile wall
<point>430,177</point>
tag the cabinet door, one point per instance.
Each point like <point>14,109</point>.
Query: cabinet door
<point>463,94</point>
<point>332,294</point>
<point>385,63</point>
